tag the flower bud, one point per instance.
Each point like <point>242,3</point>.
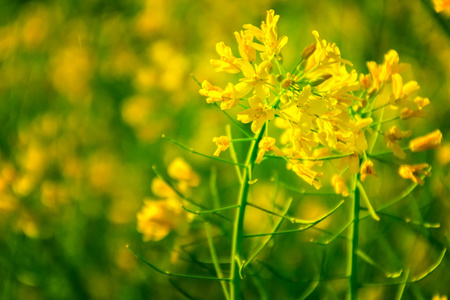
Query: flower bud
<point>308,51</point>
<point>321,79</point>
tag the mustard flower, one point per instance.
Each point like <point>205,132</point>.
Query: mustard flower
<point>414,172</point>
<point>222,142</point>
<point>258,113</point>
<point>308,175</point>
<point>267,144</point>
<point>429,141</point>
<point>421,102</point>
<point>179,169</point>
<point>227,62</point>
<point>245,41</point>
<point>255,78</point>
<point>391,137</point>
<point>228,98</point>
<point>158,218</point>
<point>401,93</point>
<point>367,169</point>
<point>268,36</point>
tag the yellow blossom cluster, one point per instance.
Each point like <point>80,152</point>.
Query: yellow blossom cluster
<point>324,108</point>
<point>160,216</point>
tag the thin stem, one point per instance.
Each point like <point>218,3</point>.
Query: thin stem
<point>312,158</point>
<point>268,238</point>
<point>159,175</point>
<point>353,235</point>
<point>384,121</point>
<point>238,231</point>
<point>233,153</point>
<point>174,274</point>
<point>215,260</point>
<point>201,212</point>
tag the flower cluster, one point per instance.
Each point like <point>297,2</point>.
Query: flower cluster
<point>160,216</point>
<point>324,108</point>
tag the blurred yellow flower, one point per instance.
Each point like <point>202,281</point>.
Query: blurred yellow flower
<point>415,172</point>
<point>443,154</point>
<point>429,141</point>
<point>161,189</point>
<point>179,169</point>
<point>158,218</point>
<point>441,5</point>
<point>438,296</point>
<point>339,186</point>
<point>222,142</point>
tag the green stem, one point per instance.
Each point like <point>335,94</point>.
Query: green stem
<point>353,235</point>
<point>238,231</point>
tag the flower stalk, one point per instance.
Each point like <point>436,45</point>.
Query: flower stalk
<point>353,237</point>
<point>238,229</point>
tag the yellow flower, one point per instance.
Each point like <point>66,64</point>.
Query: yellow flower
<point>222,142</point>
<point>229,97</point>
<point>409,113</point>
<point>339,185</point>
<point>180,170</point>
<point>255,78</point>
<point>302,144</point>
<point>268,36</point>
<point>213,93</point>
<point>401,93</point>
<point>257,114</point>
<point>415,172</point>
<point>391,137</point>
<point>429,141</point>
<point>367,169</point>
<point>245,41</point>
<point>267,144</point>
<point>161,189</point>
<point>308,175</point>
<point>325,57</point>
<point>158,218</point>
<point>391,65</point>
<point>441,5</point>
<point>227,62</point>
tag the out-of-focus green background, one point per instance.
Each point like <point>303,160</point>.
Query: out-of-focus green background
<point>88,87</point>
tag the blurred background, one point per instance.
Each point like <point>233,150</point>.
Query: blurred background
<point>87,88</point>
